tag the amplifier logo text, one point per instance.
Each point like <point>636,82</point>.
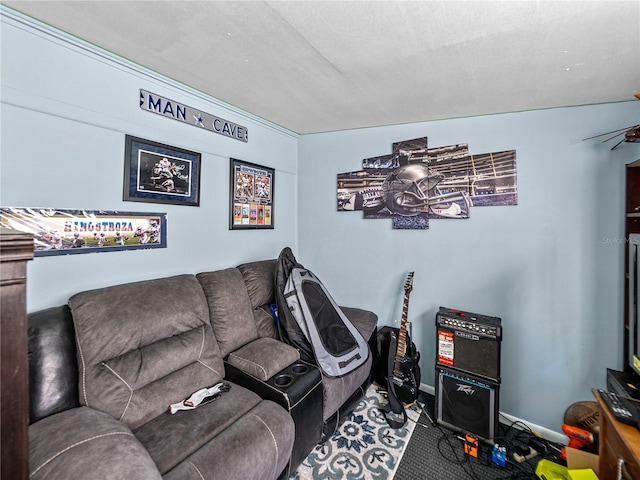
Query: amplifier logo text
<point>469,336</point>
<point>466,389</point>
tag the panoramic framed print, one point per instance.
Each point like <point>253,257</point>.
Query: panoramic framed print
<point>159,173</point>
<point>65,232</point>
<point>251,196</point>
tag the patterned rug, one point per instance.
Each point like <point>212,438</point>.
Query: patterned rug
<point>364,448</point>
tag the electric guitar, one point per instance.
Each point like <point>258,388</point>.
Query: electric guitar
<point>406,370</point>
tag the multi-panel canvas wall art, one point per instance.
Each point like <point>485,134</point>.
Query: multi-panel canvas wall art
<point>415,184</point>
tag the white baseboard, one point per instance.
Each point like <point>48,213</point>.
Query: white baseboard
<point>428,389</point>
<point>546,433</point>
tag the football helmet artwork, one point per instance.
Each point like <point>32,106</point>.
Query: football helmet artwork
<point>413,189</point>
<point>415,184</point>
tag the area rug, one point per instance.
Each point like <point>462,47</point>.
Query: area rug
<point>363,448</point>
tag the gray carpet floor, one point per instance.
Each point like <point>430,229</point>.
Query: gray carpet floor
<point>437,453</point>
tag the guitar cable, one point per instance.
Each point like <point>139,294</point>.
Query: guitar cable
<point>451,450</point>
<point>422,409</point>
<point>513,470</point>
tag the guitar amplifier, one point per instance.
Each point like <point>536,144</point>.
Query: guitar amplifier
<point>466,403</point>
<point>469,342</point>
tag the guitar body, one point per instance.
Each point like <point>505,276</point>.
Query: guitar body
<point>405,374</point>
<point>403,369</point>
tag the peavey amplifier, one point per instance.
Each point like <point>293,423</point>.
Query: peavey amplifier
<point>466,403</point>
<point>469,342</point>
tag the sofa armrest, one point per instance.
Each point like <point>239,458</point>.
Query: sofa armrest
<point>263,358</point>
<point>82,442</point>
<point>365,321</point>
<point>53,365</point>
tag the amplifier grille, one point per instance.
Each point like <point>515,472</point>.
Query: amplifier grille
<point>466,403</point>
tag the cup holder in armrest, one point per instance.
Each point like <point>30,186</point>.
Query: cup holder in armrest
<point>283,380</point>
<point>297,376</point>
<point>299,368</point>
<point>286,377</point>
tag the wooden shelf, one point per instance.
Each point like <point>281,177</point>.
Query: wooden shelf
<point>617,441</point>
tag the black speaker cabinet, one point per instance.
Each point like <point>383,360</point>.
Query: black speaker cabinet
<point>469,342</point>
<point>466,403</point>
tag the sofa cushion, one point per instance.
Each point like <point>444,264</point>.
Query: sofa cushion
<point>86,443</point>
<point>257,446</point>
<point>265,323</point>
<point>260,279</point>
<point>229,308</point>
<point>143,346</point>
<point>263,358</point>
<point>170,439</point>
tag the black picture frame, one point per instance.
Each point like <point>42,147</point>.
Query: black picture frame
<point>159,173</point>
<point>59,231</point>
<point>251,195</point>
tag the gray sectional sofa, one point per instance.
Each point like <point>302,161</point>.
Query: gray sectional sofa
<point>105,367</point>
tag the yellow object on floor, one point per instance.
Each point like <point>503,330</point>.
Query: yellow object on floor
<point>548,470</point>
<point>582,474</point>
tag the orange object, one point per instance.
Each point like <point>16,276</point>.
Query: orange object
<point>578,438</point>
<point>471,445</point>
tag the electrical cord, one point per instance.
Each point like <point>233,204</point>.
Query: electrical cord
<point>513,433</point>
<point>446,436</point>
<point>451,450</point>
<point>423,410</point>
<point>524,434</point>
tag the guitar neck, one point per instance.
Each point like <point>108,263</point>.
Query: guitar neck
<point>402,335</point>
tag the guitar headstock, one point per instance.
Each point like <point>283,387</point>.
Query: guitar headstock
<point>408,285</point>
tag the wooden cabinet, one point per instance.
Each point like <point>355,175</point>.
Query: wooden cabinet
<point>617,441</point>
<point>15,250</point>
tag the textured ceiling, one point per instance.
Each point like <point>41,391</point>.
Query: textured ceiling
<point>315,66</point>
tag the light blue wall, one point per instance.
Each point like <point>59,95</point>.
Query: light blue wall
<point>550,267</point>
<point>66,108</point>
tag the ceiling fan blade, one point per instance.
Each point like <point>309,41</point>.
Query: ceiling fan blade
<point>617,144</point>
<point>621,133</point>
<point>608,133</point>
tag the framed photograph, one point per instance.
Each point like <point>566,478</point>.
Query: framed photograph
<point>158,173</point>
<point>65,232</point>
<point>251,196</point>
